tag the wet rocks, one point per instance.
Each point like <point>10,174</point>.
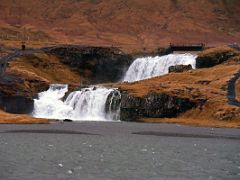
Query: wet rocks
<point>153,105</point>
<point>113,104</point>
<point>16,104</point>
<point>179,68</point>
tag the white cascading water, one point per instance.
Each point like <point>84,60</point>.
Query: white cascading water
<point>147,67</point>
<point>101,103</point>
<point>50,104</point>
<point>86,104</point>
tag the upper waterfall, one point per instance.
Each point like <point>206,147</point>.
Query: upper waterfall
<point>147,67</point>
<point>87,104</point>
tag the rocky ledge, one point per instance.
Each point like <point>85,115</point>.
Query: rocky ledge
<point>97,64</point>
<point>16,104</point>
<point>215,56</point>
<point>155,105</point>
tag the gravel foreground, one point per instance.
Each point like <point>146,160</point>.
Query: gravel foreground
<point>118,150</point>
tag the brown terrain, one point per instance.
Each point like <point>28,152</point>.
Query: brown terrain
<point>37,71</point>
<point>210,84</point>
<point>7,118</point>
<point>131,24</point>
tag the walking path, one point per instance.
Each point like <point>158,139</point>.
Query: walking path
<point>231,91</point>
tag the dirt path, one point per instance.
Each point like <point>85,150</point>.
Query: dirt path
<point>231,91</point>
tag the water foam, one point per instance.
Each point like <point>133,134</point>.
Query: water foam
<point>147,67</point>
<point>86,104</point>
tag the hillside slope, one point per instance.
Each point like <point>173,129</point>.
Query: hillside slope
<point>129,23</point>
<point>202,84</point>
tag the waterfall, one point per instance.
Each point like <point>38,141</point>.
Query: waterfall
<point>101,103</point>
<point>147,67</point>
<point>50,104</point>
<point>93,103</point>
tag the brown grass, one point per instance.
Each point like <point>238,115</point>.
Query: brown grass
<point>131,24</point>
<point>6,118</point>
<point>209,84</point>
<point>201,82</point>
<point>212,52</point>
<point>45,67</point>
<point>36,72</point>
<point>195,122</point>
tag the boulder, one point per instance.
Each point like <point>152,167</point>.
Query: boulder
<point>214,56</point>
<point>179,68</point>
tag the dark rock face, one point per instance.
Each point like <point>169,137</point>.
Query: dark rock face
<point>231,90</point>
<point>153,105</point>
<point>214,57</point>
<point>113,101</point>
<point>113,104</point>
<point>99,64</point>
<point>179,68</point>
<point>16,104</point>
<point>2,68</point>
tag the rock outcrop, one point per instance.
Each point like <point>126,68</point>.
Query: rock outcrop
<point>113,104</point>
<point>214,56</point>
<point>16,104</point>
<point>179,68</point>
<point>98,64</point>
<point>154,105</point>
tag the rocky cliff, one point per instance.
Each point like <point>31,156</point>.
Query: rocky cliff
<point>95,64</point>
<point>155,105</point>
<point>16,104</point>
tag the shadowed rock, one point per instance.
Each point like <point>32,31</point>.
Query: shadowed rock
<point>154,105</point>
<point>16,104</point>
<point>104,64</point>
<point>179,68</point>
<point>214,56</point>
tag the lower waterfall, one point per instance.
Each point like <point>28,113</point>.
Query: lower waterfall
<point>93,103</point>
<point>147,67</point>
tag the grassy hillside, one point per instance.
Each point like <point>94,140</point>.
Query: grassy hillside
<point>45,67</point>
<point>128,23</point>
